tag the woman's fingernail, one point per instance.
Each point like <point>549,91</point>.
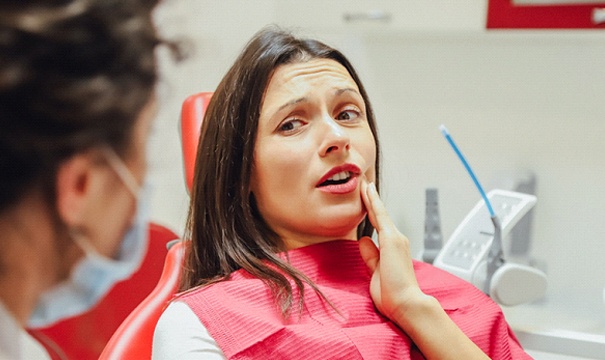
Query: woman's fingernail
<point>372,187</point>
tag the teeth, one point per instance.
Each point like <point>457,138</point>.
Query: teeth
<point>340,176</point>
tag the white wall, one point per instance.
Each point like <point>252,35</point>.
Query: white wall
<point>214,32</point>
<point>512,100</point>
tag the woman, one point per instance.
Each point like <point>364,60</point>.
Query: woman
<point>286,173</point>
<point>76,103</point>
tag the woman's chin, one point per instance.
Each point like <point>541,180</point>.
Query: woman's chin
<point>341,227</point>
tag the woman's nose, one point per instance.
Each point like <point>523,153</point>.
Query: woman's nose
<point>335,137</point>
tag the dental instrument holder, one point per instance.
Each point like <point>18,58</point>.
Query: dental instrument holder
<point>520,236</point>
<point>495,256</point>
<point>517,245</point>
<point>433,240</point>
<point>474,253</point>
<point>506,282</point>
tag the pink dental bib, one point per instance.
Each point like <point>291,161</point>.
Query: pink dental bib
<point>244,320</point>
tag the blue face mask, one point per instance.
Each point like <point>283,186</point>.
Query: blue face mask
<point>94,275</point>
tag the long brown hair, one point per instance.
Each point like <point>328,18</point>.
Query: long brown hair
<point>226,230</point>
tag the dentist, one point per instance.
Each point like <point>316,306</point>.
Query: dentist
<point>76,105</point>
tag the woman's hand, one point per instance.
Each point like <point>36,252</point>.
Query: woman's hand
<point>396,294</point>
<point>393,287</point>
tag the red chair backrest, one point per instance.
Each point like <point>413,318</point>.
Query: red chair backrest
<point>83,337</point>
<point>192,115</point>
<point>133,339</point>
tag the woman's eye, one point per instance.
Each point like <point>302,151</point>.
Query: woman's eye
<point>291,125</point>
<point>347,115</point>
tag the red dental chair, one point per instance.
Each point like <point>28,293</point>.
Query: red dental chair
<point>133,339</point>
<point>192,115</point>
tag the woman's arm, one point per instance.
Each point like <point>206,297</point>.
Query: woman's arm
<point>396,294</point>
<point>179,334</point>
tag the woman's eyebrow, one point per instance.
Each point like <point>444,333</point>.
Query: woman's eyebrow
<point>290,103</point>
<point>344,90</point>
<point>304,98</point>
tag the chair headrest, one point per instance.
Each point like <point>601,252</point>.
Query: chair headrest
<point>192,114</point>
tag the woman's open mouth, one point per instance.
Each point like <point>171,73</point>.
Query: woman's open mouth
<point>340,180</point>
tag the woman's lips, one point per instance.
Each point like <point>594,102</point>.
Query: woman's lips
<point>341,179</point>
<point>343,188</point>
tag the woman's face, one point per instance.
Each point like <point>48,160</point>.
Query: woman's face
<point>314,145</point>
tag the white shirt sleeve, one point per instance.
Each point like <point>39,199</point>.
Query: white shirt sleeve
<point>179,334</point>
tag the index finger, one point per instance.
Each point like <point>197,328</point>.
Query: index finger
<point>377,212</point>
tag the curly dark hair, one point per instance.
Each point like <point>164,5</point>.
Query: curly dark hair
<point>74,74</point>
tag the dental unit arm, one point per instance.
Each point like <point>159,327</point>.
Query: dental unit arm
<point>474,252</point>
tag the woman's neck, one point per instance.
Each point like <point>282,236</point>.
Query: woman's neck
<point>295,242</point>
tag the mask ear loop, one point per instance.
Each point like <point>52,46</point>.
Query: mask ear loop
<point>83,243</point>
<point>122,170</point>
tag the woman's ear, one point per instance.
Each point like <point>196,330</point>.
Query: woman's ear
<point>75,187</point>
